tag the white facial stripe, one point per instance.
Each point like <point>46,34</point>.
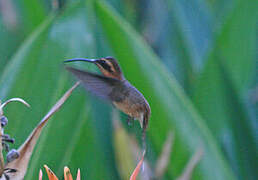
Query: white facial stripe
<point>111,65</point>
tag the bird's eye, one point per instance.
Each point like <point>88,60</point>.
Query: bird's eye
<point>105,65</point>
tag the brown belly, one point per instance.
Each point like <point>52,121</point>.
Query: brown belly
<point>132,110</point>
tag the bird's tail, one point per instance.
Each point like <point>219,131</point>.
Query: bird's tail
<point>145,125</point>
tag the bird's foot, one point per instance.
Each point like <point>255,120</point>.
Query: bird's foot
<point>130,120</point>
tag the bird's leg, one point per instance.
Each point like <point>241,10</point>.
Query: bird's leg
<point>130,120</point>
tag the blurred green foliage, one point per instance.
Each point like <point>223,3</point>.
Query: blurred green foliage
<point>195,62</point>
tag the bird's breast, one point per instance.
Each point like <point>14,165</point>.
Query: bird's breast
<point>131,109</point>
<point>129,100</point>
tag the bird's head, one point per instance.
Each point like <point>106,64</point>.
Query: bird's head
<point>107,65</point>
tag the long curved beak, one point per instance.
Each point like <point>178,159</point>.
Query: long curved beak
<point>81,59</point>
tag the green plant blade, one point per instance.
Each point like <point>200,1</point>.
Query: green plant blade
<point>170,108</point>
<point>222,88</point>
<point>37,74</point>
<point>17,20</point>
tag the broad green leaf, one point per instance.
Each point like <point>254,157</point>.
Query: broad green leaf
<point>32,13</point>
<point>171,109</point>
<point>181,33</point>
<point>36,73</point>
<point>194,22</point>
<point>237,42</point>
<point>17,20</point>
<point>8,44</point>
<point>222,87</point>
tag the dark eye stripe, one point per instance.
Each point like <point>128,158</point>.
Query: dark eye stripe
<point>106,66</point>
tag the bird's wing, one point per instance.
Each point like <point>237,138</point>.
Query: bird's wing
<point>99,85</point>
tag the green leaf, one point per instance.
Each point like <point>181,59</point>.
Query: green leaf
<point>237,42</point>
<point>32,13</point>
<point>36,73</point>
<point>18,19</point>
<point>171,109</point>
<point>222,87</point>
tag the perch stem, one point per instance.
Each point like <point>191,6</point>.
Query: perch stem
<point>1,147</point>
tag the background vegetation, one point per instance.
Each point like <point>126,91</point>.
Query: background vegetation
<point>195,61</point>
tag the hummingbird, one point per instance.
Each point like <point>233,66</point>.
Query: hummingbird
<point>113,86</point>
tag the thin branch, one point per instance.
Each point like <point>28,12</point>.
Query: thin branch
<point>1,147</point>
<point>14,100</point>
